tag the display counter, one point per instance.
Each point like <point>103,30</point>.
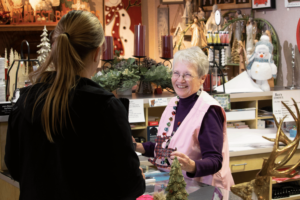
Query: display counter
<point>9,189</point>
<point>248,160</point>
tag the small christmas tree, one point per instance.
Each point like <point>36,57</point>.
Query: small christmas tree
<point>45,46</point>
<point>176,186</point>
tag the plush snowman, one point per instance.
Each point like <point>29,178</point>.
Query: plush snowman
<point>117,21</point>
<point>261,65</point>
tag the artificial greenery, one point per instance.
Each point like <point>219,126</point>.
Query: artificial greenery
<point>125,73</point>
<point>160,75</point>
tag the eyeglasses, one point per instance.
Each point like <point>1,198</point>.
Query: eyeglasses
<point>186,77</point>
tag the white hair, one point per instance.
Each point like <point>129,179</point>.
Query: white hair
<point>194,56</point>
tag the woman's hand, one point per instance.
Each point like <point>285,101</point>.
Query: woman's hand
<point>139,147</point>
<point>186,163</point>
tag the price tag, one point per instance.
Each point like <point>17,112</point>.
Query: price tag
<point>158,102</point>
<point>285,96</point>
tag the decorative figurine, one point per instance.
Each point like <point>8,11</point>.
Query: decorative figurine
<point>243,57</point>
<point>251,34</point>
<point>211,23</point>
<point>188,12</point>
<point>238,26</point>
<point>45,46</point>
<point>261,65</point>
<point>201,14</point>
<point>229,30</point>
<point>198,37</point>
<point>161,154</point>
<point>176,186</point>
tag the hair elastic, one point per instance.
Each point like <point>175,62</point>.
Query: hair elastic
<point>67,35</point>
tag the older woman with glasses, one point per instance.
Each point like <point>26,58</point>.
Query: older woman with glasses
<point>196,124</point>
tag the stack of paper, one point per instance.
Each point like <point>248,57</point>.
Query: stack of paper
<point>241,83</point>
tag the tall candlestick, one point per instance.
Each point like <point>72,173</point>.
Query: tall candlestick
<point>139,40</point>
<point>167,46</point>
<point>108,54</point>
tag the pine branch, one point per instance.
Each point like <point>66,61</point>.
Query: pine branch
<point>136,4</point>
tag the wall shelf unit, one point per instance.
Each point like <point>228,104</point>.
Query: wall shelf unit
<point>22,27</point>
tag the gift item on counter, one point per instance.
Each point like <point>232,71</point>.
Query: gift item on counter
<point>270,123</point>
<point>261,124</point>
<point>293,132</point>
<point>152,123</point>
<point>176,185</point>
<point>237,125</point>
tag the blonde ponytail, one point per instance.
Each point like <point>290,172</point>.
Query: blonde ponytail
<point>76,35</point>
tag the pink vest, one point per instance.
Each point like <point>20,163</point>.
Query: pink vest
<point>186,139</point>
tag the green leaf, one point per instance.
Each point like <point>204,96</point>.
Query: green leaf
<point>130,61</point>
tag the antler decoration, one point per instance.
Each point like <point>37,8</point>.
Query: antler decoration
<point>261,184</point>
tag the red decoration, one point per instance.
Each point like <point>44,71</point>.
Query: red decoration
<point>139,40</point>
<point>173,113</point>
<point>108,54</point>
<point>158,91</point>
<point>167,46</point>
<point>113,12</point>
<point>145,197</point>
<point>298,35</point>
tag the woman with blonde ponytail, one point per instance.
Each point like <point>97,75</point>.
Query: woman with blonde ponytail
<point>61,129</point>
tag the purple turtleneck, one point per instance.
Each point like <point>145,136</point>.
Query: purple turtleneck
<point>210,137</point>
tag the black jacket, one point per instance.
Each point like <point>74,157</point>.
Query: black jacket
<point>96,161</point>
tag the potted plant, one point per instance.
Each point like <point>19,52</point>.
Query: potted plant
<point>123,74</point>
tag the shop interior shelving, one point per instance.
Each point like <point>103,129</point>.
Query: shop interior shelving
<point>22,27</point>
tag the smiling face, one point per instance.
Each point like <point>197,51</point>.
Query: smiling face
<point>185,88</point>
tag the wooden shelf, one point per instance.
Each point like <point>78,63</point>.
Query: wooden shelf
<point>27,27</point>
<point>232,64</point>
<point>138,127</point>
<point>293,197</point>
<point>241,120</point>
<point>265,117</point>
<point>289,180</point>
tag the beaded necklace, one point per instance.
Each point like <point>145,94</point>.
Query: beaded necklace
<point>166,129</point>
